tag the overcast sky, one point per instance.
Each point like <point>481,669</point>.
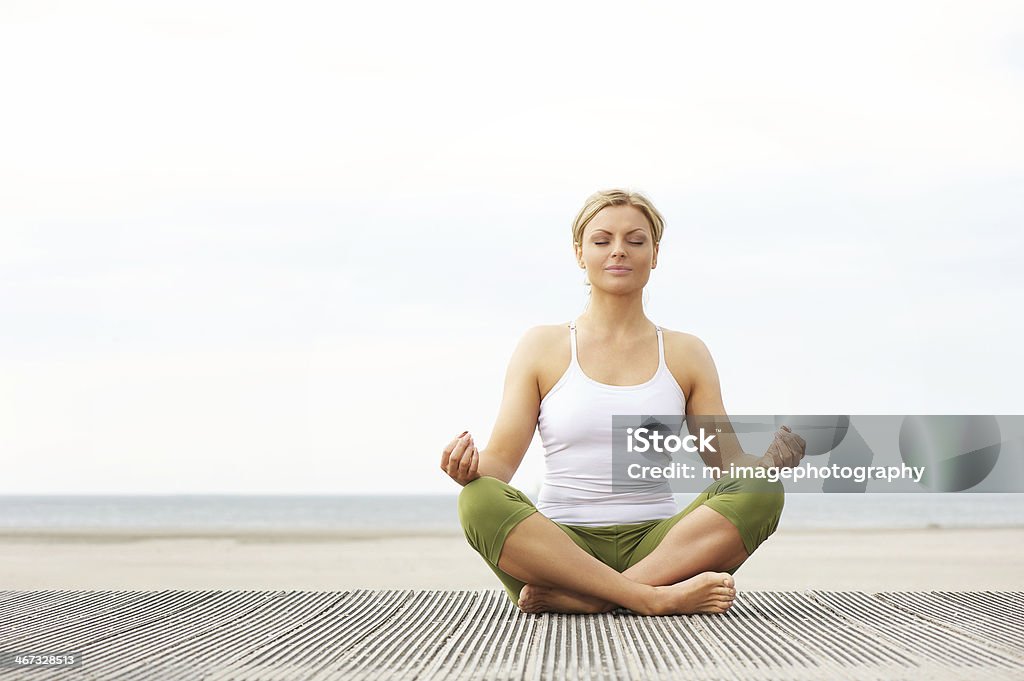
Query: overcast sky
<point>290,249</point>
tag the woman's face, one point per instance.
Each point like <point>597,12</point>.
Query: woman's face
<point>618,250</point>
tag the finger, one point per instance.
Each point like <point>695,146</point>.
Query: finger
<point>796,440</point>
<point>799,447</point>
<point>462,445</point>
<point>455,460</point>
<point>779,446</point>
<point>788,447</point>
<point>465,448</point>
<point>796,451</point>
<point>473,469</point>
<point>467,460</point>
<point>446,454</point>
<point>456,454</point>
<point>467,466</point>
<point>451,446</point>
<point>786,453</point>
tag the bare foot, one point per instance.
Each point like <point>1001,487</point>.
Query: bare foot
<point>537,599</point>
<point>708,592</point>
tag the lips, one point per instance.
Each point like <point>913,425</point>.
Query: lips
<point>619,269</point>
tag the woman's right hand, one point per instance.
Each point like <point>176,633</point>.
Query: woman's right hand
<point>785,451</point>
<point>460,459</point>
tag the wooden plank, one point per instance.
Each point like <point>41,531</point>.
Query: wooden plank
<point>430,635</point>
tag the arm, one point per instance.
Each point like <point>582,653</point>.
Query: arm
<point>706,400</point>
<point>517,416</point>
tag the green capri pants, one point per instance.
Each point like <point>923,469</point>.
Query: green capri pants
<point>489,508</point>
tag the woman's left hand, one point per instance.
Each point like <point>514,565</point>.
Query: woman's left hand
<point>785,451</point>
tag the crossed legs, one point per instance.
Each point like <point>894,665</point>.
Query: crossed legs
<point>688,564</point>
<point>544,569</point>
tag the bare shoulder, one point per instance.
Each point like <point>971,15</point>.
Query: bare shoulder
<point>538,341</point>
<point>682,341</point>
<point>547,347</point>
<point>539,345</point>
<point>686,356</point>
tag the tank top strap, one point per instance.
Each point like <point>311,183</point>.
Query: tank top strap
<point>662,364</point>
<point>572,342</point>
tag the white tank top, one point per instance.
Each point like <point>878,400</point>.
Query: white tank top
<point>575,424</point>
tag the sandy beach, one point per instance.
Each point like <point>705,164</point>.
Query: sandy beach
<point>867,560</point>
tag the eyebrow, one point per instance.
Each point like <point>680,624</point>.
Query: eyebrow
<point>638,229</point>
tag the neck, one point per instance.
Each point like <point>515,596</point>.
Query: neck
<point>612,316</point>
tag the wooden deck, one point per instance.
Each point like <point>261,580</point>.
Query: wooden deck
<point>424,635</point>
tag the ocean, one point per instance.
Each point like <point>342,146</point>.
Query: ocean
<point>403,514</point>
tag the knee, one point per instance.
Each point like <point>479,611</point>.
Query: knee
<point>476,496</point>
<point>765,500</point>
<point>769,498</point>
<point>773,495</point>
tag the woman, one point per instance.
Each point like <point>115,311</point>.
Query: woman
<point>584,549</point>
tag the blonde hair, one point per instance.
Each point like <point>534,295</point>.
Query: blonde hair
<point>617,197</point>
